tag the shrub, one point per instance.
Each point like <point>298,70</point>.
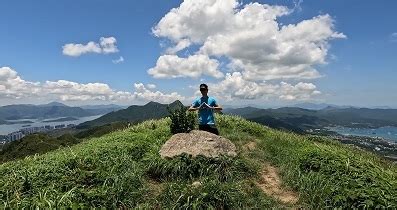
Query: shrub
<point>181,120</point>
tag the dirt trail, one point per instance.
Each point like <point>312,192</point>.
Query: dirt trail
<point>249,146</point>
<point>270,183</point>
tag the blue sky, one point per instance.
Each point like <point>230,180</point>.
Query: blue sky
<point>358,66</point>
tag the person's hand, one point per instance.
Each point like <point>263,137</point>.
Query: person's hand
<point>204,106</point>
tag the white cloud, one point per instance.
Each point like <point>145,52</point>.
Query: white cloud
<point>173,66</point>
<point>250,36</point>
<point>108,45</point>
<point>76,50</point>
<point>234,86</point>
<point>300,91</point>
<point>105,46</point>
<point>151,86</point>
<point>142,93</point>
<point>195,20</point>
<point>72,91</point>
<point>182,44</point>
<point>12,86</point>
<point>117,61</point>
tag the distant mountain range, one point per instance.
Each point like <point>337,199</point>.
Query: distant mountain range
<point>133,114</point>
<point>314,106</point>
<point>288,118</point>
<point>299,120</point>
<point>108,106</point>
<point>51,110</point>
<point>311,106</point>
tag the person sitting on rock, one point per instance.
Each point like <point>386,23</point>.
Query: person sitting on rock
<point>206,106</point>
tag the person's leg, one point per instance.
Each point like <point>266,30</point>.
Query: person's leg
<point>204,128</point>
<point>214,130</point>
<point>209,128</point>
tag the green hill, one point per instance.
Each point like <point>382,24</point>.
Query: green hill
<point>124,169</point>
<point>133,114</point>
<point>38,143</point>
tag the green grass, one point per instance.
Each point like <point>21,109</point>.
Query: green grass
<point>124,169</point>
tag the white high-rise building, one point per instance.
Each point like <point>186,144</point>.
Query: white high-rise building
<point>15,136</point>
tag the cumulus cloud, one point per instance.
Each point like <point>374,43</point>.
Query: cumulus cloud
<point>250,36</point>
<point>106,45</point>
<point>265,51</point>
<point>234,86</point>
<point>12,86</point>
<point>195,20</point>
<point>182,44</point>
<point>142,93</point>
<point>173,66</point>
<point>258,49</point>
<point>117,61</point>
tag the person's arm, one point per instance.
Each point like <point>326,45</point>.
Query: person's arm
<point>194,107</point>
<point>217,107</point>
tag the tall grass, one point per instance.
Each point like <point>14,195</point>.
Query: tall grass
<point>124,169</point>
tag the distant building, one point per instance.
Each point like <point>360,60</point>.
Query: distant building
<point>59,126</point>
<point>15,136</point>
<point>27,131</point>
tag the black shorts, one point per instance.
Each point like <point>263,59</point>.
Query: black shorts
<point>209,128</point>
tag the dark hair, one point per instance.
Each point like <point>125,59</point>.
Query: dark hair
<point>204,86</point>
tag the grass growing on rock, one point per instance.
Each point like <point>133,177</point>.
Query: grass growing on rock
<point>124,169</point>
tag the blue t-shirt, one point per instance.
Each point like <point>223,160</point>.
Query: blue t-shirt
<point>206,115</point>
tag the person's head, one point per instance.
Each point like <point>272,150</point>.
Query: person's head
<point>204,89</point>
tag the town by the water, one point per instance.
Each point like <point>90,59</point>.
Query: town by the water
<point>16,135</point>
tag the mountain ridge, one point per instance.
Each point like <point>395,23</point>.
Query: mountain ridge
<point>134,114</point>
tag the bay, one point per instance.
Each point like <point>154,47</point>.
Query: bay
<point>387,132</point>
<point>6,129</point>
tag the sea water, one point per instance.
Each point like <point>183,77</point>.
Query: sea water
<point>6,129</point>
<point>387,132</point>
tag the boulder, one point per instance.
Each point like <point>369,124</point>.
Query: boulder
<point>198,143</point>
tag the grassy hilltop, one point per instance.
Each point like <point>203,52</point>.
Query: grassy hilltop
<point>124,169</point>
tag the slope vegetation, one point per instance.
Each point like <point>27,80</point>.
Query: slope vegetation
<point>124,169</point>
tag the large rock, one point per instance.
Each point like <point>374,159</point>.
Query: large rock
<point>198,143</point>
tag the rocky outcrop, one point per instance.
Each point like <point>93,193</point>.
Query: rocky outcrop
<point>198,143</point>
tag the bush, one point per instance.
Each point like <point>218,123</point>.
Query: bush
<point>181,120</point>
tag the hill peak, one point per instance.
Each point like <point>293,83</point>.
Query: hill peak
<point>54,103</point>
<point>173,104</point>
<point>152,103</point>
<point>176,103</point>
